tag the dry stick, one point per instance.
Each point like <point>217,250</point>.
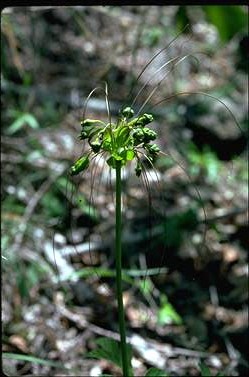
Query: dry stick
<point>82,322</point>
<point>30,209</point>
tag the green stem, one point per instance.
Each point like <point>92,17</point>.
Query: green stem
<point>118,255</point>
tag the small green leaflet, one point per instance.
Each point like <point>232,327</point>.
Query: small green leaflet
<point>167,314</point>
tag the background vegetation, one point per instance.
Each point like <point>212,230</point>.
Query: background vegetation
<point>57,238</point>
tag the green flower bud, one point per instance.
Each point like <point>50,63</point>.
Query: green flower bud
<point>81,164</point>
<point>153,149</point>
<point>144,119</point>
<point>89,128</point>
<point>138,135</point>
<point>89,122</point>
<point>88,131</point>
<point>83,135</point>
<point>149,134</point>
<point>128,112</point>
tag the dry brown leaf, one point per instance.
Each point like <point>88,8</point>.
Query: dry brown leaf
<point>19,342</point>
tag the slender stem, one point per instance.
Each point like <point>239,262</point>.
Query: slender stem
<point>118,255</point>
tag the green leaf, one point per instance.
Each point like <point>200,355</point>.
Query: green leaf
<point>155,372</point>
<point>24,119</point>
<point>182,17</point>
<point>122,135</point>
<point>107,141</point>
<point>52,205</point>
<point>109,349</point>
<point>205,160</point>
<point>32,359</point>
<point>167,314</point>
<point>221,16</point>
<point>205,371</point>
<point>146,287</point>
<point>152,36</point>
<point>130,155</point>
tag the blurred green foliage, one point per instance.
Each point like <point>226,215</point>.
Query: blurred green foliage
<point>167,315</point>
<point>155,372</point>
<point>228,19</point>
<point>29,275</point>
<point>175,226</point>
<point>182,19</point>
<point>152,36</point>
<point>70,191</point>
<point>22,119</point>
<point>203,162</point>
<point>53,205</point>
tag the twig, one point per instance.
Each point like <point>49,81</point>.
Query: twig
<point>143,347</point>
<point>226,213</point>
<point>30,209</point>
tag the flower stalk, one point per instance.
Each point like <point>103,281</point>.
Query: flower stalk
<point>118,258</point>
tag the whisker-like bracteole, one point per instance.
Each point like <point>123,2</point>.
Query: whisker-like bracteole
<point>75,195</point>
<point>174,66</point>
<point>169,155</point>
<point>169,98</point>
<point>177,60</point>
<point>152,76</point>
<point>93,185</point>
<point>72,189</point>
<point>153,183</point>
<point>154,57</point>
<point>88,99</point>
<point>107,103</point>
<point>148,187</point>
<point>131,102</point>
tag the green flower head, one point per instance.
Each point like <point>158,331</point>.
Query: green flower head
<point>121,142</point>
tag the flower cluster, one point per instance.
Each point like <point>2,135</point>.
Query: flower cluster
<point>121,141</point>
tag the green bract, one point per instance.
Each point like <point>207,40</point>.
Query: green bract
<point>121,142</point>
